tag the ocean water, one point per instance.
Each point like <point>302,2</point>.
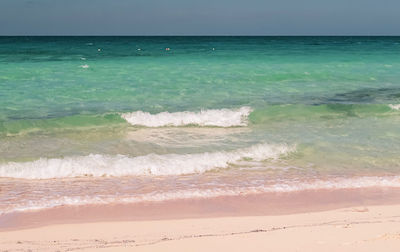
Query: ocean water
<point>97,120</point>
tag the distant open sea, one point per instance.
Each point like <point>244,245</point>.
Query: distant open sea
<point>99,120</point>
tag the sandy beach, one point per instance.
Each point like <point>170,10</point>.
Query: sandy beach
<point>341,220</point>
<point>362,228</point>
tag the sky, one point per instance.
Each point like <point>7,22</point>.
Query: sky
<point>200,17</point>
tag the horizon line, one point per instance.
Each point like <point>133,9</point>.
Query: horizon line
<point>196,35</point>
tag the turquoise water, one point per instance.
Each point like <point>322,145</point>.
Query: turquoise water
<point>308,108</point>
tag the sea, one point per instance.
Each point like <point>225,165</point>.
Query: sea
<point>104,120</point>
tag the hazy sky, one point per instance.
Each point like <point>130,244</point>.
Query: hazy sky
<point>200,17</point>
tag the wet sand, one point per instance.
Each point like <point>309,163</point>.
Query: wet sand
<point>341,220</point>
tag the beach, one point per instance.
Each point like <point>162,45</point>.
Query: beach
<point>178,142</point>
<point>361,228</point>
<point>320,220</point>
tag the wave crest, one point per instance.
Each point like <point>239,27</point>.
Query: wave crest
<point>152,164</point>
<point>212,117</point>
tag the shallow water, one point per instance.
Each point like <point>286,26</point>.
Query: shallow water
<point>121,119</point>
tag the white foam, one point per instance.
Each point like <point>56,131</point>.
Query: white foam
<point>395,106</point>
<point>212,117</point>
<point>152,164</point>
<point>85,66</point>
<point>339,183</point>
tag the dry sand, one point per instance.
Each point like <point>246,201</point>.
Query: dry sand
<point>365,228</point>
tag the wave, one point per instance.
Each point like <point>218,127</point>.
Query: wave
<point>212,117</point>
<point>339,183</point>
<point>394,106</point>
<point>152,164</point>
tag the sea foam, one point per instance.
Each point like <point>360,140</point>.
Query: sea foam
<point>212,117</point>
<point>152,164</point>
<point>395,106</point>
<point>338,184</point>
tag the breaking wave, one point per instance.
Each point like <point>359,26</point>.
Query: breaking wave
<point>212,117</point>
<point>152,164</point>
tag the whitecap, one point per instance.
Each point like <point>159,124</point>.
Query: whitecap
<point>212,117</point>
<point>153,164</point>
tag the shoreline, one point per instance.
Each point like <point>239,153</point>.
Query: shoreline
<point>365,228</point>
<point>328,220</point>
<point>265,204</point>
